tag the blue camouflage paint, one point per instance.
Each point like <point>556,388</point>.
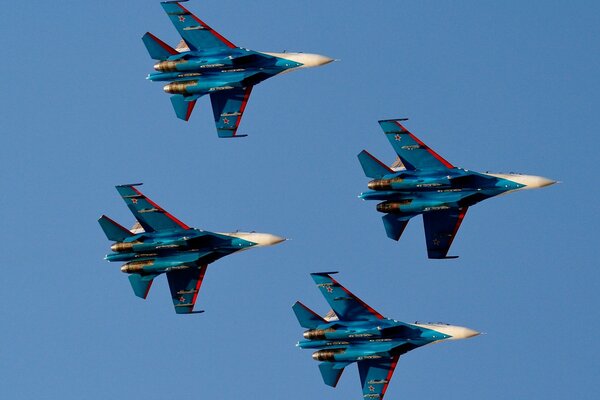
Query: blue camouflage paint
<point>429,185</point>
<point>210,65</point>
<point>358,334</point>
<point>166,246</point>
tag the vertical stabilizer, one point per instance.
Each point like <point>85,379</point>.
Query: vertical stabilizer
<point>373,167</point>
<point>113,230</point>
<point>157,49</point>
<point>306,317</point>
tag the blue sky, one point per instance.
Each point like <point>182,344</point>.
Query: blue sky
<point>498,86</point>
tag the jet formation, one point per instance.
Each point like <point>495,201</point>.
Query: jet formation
<point>354,332</point>
<point>423,182</point>
<point>160,243</point>
<point>205,62</point>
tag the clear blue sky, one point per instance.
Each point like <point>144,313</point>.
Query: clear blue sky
<point>498,86</point>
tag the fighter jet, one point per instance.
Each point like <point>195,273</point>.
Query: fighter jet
<point>354,332</point>
<point>160,243</point>
<point>205,62</point>
<point>422,182</point>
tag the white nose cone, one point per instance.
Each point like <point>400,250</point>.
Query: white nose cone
<point>455,332</point>
<point>531,181</point>
<point>458,332</point>
<point>306,59</point>
<point>261,239</point>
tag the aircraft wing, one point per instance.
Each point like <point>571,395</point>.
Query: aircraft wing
<point>375,376</point>
<point>413,153</point>
<point>228,108</point>
<point>440,229</point>
<point>150,215</point>
<point>184,285</point>
<point>195,32</point>
<point>346,306</point>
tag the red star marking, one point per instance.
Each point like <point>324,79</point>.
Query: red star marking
<point>398,137</point>
<point>181,299</point>
<point>134,201</point>
<point>329,289</point>
<point>181,18</point>
<point>225,121</point>
<point>371,388</point>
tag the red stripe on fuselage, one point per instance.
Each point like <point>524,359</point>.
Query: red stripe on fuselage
<point>217,34</point>
<point>178,222</point>
<point>423,145</point>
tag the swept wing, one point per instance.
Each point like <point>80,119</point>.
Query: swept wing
<point>184,285</point>
<point>150,215</point>
<point>195,32</point>
<point>346,305</point>
<point>413,153</point>
<point>375,376</point>
<point>440,229</point>
<point>228,107</point>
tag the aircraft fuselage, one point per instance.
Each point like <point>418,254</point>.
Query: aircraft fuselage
<point>416,192</point>
<point>355,341</point>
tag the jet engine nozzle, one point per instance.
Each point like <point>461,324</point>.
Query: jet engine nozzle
<point>179,87</point>
<point>135,266</point>
<point>383,184</point>
<point>167,66</point>
<point>316,334</point>
<point>392,207</point>
<point>326,355</point>
<point>119,247</point>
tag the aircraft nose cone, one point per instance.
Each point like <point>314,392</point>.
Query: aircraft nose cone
<point>266,239</point>
<point>532,181</point>
<point>314,60</point>
<point>470,333</point>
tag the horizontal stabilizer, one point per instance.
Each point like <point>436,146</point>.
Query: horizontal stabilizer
<point>306,317</point>
<point>157,49</point>
<point>373,167</point>
<point>331,372</point>
<point>183,108</point>
<point>113,230</point>
<point>394,226</point>
<point>141,284</point>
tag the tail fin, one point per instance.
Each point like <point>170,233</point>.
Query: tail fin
<point>113,230</point>
<point>373,167</point>
<point>183,107</point>
<point>157,49</point>
<point>394,225</point>
<point>332,372</point>
<point>141,284</point>
<point>306,317</point>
